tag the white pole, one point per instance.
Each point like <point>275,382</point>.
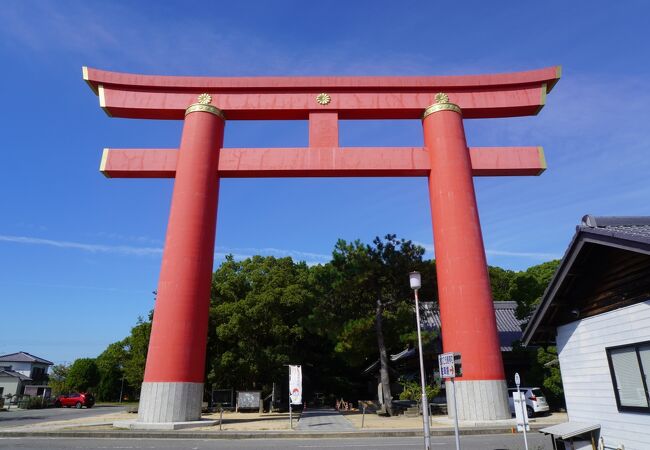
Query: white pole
<point>524,415</point>
<point>290,418</point>
<point>425,401</point>
<point>122,388</point>
<point>456,432</point>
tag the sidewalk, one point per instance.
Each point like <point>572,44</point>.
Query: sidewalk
<point>323,420</point>
<point>313,424</point>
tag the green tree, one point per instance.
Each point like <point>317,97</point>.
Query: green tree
<point>121,366</point>
<point>528,287</point>
<point>501,282</point>
<point>255,321</point>
<point>110,364</point>
<point>58,379</point>
<point>365,301</point>
<point>83,375</point>
<point>544,371</point>
<point>136,346</point>
<point>547,358</point>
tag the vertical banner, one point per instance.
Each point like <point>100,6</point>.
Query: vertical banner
<point>295,385</point>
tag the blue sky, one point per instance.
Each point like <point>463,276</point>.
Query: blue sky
<point>80,254</point>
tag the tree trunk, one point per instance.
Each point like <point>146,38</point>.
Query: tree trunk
<point>383,360</point>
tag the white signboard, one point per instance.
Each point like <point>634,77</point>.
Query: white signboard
<point>295,385</point>
<point>520,411</point>
<point>446,363</point>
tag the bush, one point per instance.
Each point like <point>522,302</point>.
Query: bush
<point>33,403</point>
<point>413,391</point>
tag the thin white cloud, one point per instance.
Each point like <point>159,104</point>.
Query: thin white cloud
<point>74,287</point>
<point>130,38</point>
<point>489,252</point>
<point>533,255</point>
<point>112,236</point>
<point>295,254</point>
<point>238,253</point>
<point>92,248</point>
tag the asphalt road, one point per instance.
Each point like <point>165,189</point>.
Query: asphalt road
<point>20,417</point>
<point>536,441</point>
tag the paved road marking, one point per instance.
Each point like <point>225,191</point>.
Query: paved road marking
<point>369,445</point>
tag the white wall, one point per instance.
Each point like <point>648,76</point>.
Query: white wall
<point>25,367</point>
<point>10,385</point>
<point>22,367</point>
<point>586,377</point>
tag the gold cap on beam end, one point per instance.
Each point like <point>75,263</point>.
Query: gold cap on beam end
<point>203,105</point>
<point>102,164</point>
<point>441,104</point>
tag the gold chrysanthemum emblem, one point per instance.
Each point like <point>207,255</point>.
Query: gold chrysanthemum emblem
<point>441,97</point>
<point>323,99</point>
<point>204,99</point>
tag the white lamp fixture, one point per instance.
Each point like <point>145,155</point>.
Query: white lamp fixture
<point>415,279</point>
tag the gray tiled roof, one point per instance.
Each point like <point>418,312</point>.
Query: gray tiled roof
<point>508,326</point>
<point>629,228</point>
<point>631,233</point>
<point>23,357</point>
<point>11,373</point>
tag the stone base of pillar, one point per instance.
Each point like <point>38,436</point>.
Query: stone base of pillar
<point>479,400</point>
<point>167,402</point>
<point>168,426</point>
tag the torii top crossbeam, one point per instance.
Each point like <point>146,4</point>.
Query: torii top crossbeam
<point>270,98</point>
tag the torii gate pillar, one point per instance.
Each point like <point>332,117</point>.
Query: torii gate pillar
<point>463,282</point>
<point>172,390</point>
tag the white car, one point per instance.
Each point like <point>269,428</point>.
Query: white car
<point>535,400</point>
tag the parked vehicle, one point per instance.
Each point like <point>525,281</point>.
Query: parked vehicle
<point>535,400</point>
<point>75,399</point>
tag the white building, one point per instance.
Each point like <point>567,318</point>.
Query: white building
<point>597,311</point>
<point>20,369</point>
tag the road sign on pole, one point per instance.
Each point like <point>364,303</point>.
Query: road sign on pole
<point>447,368</point>
<point>446,362</point>
<point>520,410</point>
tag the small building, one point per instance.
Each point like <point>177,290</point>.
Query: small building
<point>406,363</point>
<point>12,383</point>
<point>596,310</point>
<point>20,369</point>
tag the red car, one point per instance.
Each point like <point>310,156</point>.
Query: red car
<point>75,399</point>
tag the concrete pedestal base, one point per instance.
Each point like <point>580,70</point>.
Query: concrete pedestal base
<point>170,402</point>
<point>135,425</point>
<point>479,400</point>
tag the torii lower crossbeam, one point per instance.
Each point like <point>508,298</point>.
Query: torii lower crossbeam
<point>322,162</point>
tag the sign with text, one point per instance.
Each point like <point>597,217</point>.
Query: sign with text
<point>447,367</point>
<point>520,410</point>
<point>295,385</point>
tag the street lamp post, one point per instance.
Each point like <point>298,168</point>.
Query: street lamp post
<point>416,283</point>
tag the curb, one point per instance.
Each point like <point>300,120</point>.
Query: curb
<point>257,434</point>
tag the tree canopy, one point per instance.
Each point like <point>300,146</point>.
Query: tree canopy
<point>256,314</point>
<point>335,319</point>
<point>83,374</point>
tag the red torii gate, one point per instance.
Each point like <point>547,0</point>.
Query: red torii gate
<point>173,382</point>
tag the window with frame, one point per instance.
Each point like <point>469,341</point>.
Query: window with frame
<point>629,366</point>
